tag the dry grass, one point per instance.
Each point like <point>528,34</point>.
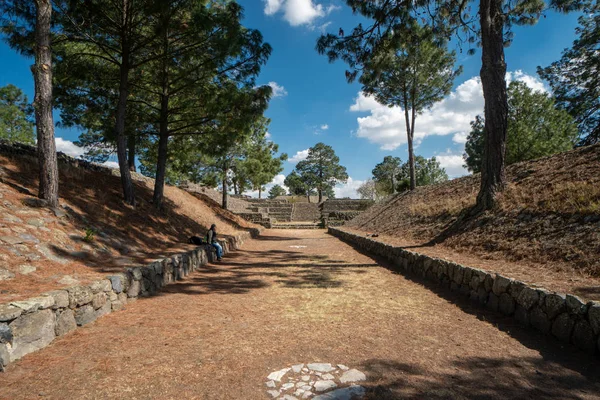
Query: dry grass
<point>124,235</point>
<point>219,333</point>
<point>549,215</point>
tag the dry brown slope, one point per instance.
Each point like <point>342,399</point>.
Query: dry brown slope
<point>123,235</point>
<point>548,219</point>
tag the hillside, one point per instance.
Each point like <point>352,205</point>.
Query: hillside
<point>41,249</point>
<point>546,229</point>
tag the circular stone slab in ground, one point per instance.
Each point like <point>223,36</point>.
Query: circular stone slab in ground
<point>316,381</point>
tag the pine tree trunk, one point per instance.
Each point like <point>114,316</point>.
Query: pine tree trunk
<point>131,152</point>
<point>126,182</point>
<point>320,195</point>
<point>42,74</point>
<point>163,142</point>
<point>225,203</point>
<point>259,192</point>
<point>411,153</point>
<point>493,80</point>
<point>411,156</point>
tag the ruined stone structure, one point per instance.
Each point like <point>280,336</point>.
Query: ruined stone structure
<point>32,324</point>
<point>563,316</point>
<point>335,212</point>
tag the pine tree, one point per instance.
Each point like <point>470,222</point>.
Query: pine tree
<point>16,123</point>
<point>536,128</point>
<point>27,26</point>
<point>414,77</point>
<point>385,173</point>
<point>428,172</point>
<point>488,21</point>
<point>575,78</point>
<point>276,191</point>
<point>321,170</point>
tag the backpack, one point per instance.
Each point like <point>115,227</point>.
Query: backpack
<point>196,240</point>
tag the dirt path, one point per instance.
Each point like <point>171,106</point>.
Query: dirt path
<point>277,303</point>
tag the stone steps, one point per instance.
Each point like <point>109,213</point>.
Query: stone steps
<point>307,225</point>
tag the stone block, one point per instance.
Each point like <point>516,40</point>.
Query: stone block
<point>135,289</point>
<point>464,290</point>
<point>117,305</point>
<point>467,275</point>
<point>475,281</point>
<point>575,305</point>
<point>539,320</point>
<point>116,282</point>
<point>6,335</point>
<point>594,316</point>
<point>542,293</point>
<point>61,298</point>
<point>79,296</point>
<point>105,309</point>
<point>483,295</point>
<point>493,302</point>
<point>99,300</point>
<point>562,327</point>
<point>522,316</point>
<point>104,285</point>
<point>4,356</point>
<point>112,296</point>
<point>122,297</point>
<point>506,305</point>
<point>32,332</point>
<point>459,273</point>
<point>9,312</point>
<point>501,284</point>
<point>527,298</point>
<point>488,283</point>
<point>65,322</point>
<point>136,273</point>
<point>583,336</point>
<point>515,289</point>
<point>554,305</point>
<point>84,315</point>
<point>34,304</point>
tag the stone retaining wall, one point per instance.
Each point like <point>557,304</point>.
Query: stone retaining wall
<point>335,212</point>
<point>20,149</point>
<point>306,212</point>
<point>566,317</point>
<point>32,324</point>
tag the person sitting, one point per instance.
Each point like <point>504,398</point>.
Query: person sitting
<point>211,238</point>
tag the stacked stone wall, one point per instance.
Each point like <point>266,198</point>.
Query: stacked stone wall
<point>336,212</point>
<point>305,212</point>
<point>564,316</point>
<point>32,324</point>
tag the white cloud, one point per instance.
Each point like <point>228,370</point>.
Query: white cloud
<point>299,12</point>
<point>299,156</point>
<point>68,147</point>
<point>278,90</point>
<point>452,163</point>
<point>268,135</point>
<point>460,137</point>
<point>111,164</point>
<point>272,6</point>
<point>532,81</point>
<point>324,127</point>
<point>347,189</point>
<point>385,126</point>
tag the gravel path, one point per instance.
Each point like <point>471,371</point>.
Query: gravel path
<point>293,297</point>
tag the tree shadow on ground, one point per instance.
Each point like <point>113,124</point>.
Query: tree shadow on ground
<point>549,348</point>
<point>238,275</point>
<point>479,378</point>
<point>122,234</point>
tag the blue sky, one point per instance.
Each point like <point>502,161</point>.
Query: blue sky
<point>313,102</point>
